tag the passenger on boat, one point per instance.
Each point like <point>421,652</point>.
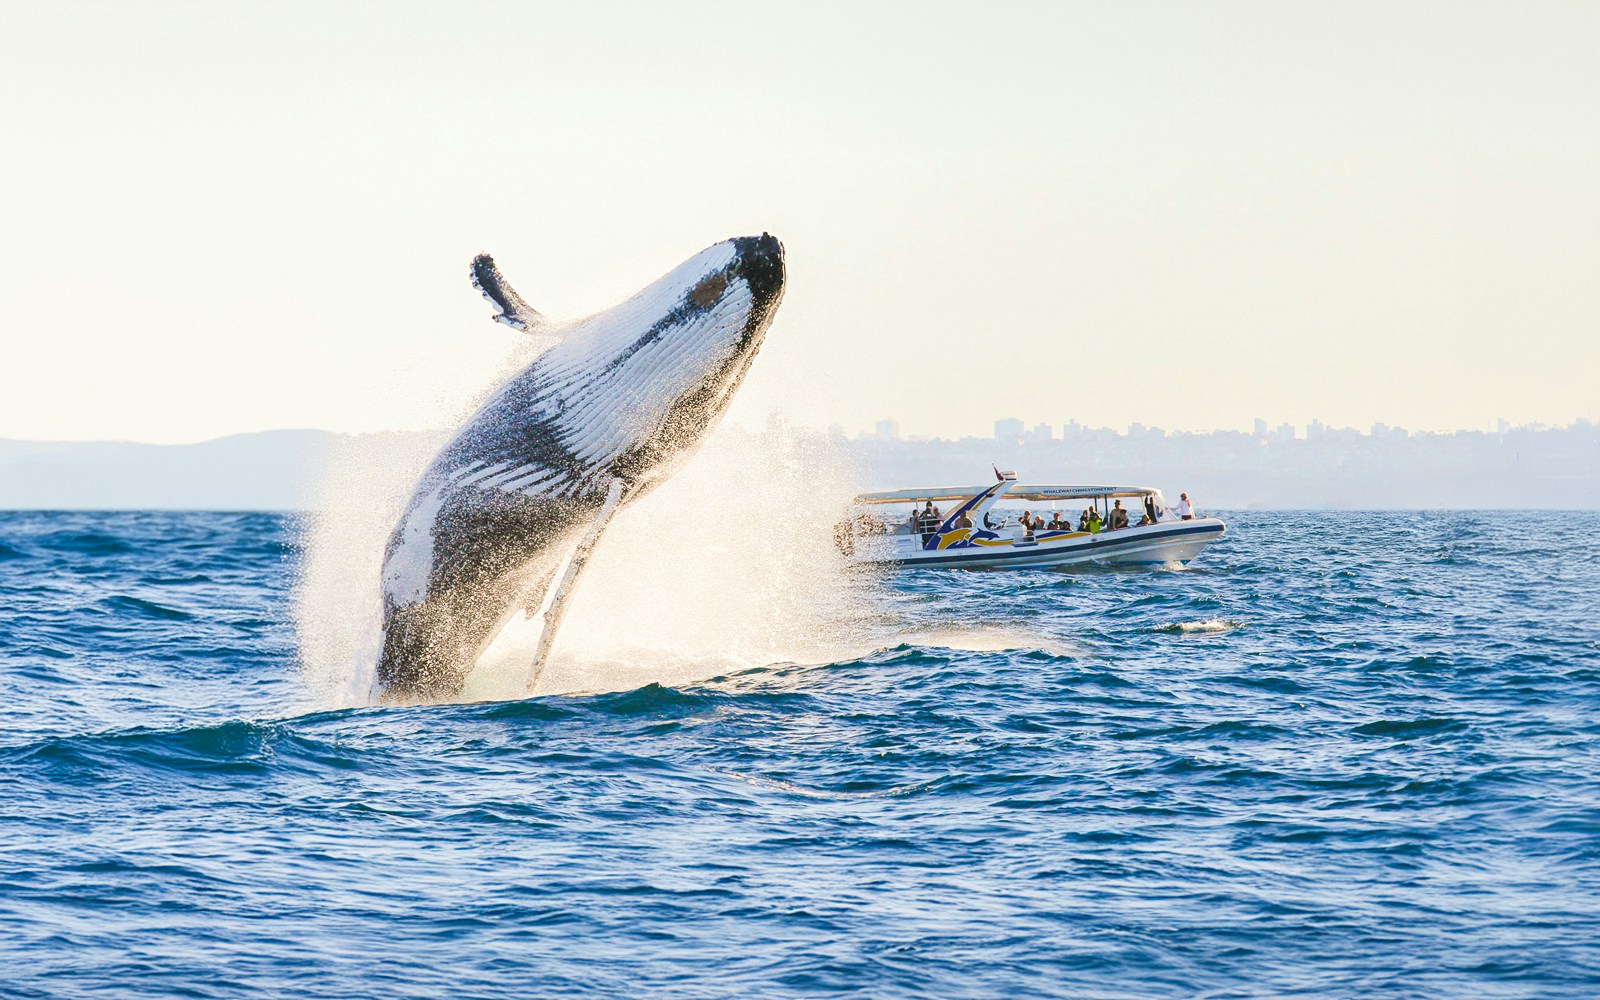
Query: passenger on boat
<point>1094,521</point>
<point>1056,524</point>
<point>1185,510</point>
<point>1119,517</point>
<point>1150,516</point>
<point>964,520</point>
<point>1027,526</point>
<point>1083,519</point>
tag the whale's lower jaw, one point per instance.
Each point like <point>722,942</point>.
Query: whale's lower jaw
<point>430,648</point>
<point>489,567</point>
<point>424,659</point>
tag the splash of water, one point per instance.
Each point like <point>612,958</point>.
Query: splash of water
<point>336,609</point>
<point>364,489</point>
<point>728,565</point>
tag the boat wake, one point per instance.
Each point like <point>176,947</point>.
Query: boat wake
<point>989,639</point>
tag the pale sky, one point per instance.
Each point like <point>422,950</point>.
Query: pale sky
<point>224,217</point>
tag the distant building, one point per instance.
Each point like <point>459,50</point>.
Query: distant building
<point>1260,428</point>
<point>1285,432</point>
<point>1008,431</point>
<point>1041,434</point>
<point>887,430</point>
<point>1071,429</point>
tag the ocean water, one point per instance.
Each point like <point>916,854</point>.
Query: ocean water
<point>1343,754</point>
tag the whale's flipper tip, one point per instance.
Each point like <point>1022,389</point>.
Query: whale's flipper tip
<point>509,307</point>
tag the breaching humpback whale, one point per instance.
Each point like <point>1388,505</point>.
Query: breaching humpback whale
<point>533,477</point>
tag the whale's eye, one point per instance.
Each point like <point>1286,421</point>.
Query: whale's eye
<point>708,291</point>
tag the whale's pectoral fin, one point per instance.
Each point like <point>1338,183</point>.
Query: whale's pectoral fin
<point>560,595</point>
<point>509,307</point>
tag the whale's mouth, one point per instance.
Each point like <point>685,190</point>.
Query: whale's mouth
<point>760,264</point>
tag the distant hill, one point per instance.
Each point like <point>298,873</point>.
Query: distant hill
<point>273,470</point>
<point>288,470</point>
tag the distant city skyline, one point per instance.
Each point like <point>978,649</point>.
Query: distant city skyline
<point>1378,466</point>
<point>892,428</point>
<point>1020,431</point>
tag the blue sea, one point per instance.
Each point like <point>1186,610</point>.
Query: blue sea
<point>1341,755</point>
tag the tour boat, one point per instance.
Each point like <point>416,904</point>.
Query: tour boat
<point>977,533</point>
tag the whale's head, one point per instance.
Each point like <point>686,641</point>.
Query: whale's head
<point>632,390</point>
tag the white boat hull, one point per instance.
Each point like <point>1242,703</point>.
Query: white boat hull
<point>1167,543</point>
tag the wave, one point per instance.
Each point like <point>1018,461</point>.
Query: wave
<point>87,543</point>
<point>227,747</point>
<point>1410,728</point>
<point>123,604</point>
<point>1208,625</point>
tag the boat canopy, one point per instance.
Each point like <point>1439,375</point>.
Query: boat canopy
<point>1014,491</point>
